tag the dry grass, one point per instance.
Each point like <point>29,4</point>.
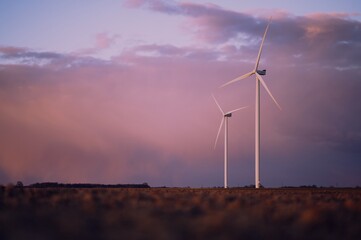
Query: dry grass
<point>175,213</point>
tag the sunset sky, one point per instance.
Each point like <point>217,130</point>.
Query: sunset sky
<point>121,91</point>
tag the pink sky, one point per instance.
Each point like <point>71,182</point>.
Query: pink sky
<point>132,106</point>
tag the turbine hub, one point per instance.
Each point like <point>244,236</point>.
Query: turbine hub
<point>261,72</point>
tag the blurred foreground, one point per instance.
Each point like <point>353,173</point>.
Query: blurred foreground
<point>178,213</point>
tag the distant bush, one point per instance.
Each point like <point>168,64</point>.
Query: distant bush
<point>308,186</point>
<point>86,185</point>
<point>19,184</point>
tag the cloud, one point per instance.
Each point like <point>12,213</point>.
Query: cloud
<point>23,56</point>
<point>103,41</point>
<point>324,40</point>
<point>170,51</point>
<point>26,55</point>
<point>169,7</point>
<point>327,108</point>
<point>205,18</point>
<point>11,51</point>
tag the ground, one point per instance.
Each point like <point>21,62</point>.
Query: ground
<point>179,213</point>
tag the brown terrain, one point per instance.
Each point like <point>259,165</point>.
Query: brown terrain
<point>179,213</point>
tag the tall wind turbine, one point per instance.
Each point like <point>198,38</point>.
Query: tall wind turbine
<point>259,81</point>
<point>224,120</point>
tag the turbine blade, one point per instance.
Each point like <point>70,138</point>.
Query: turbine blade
<point>235,110</point>
<point>219,131</point>
<point>215,100</point>
<point>269,92</point>
<point>238,78</point>
<point>260,49</point>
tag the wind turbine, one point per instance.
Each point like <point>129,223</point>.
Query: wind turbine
<point>224,120</point>
<point>259,81</point>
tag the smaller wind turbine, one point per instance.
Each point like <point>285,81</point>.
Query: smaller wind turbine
<point>224,120</point>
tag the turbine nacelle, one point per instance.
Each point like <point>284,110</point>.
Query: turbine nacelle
<point>261,72</point>
<point>228,115</point>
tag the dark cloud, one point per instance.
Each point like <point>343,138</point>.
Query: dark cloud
<point>24,56</point>
<point>160,50</point>
<point>322,109</point>
<point>327,40</point>
<point>157,5</point>
<point>14,52</point>
<point>323,40</point>
<point>170,51</point>
<point>206,18</point>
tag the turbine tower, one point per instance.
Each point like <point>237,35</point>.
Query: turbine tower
<point>259,81</point>
<point>224,120</point>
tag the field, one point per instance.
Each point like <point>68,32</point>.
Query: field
<point>179,213</point>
